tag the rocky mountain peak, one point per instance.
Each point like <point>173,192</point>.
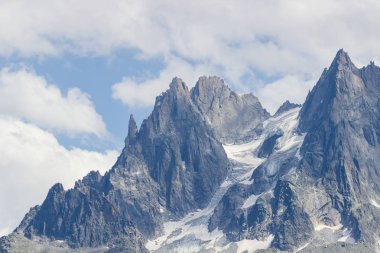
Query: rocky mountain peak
<point>132,130</point>
<point>233,117</point>
<point>210,84</point>
<point>342,58</point>
<point>55,189</point>
<point>210,93</point>
<point>178,87</point>
<point>340,82</point>
<point>286,106</point>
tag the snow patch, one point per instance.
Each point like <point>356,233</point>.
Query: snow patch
<point>374,203</point>
<point>250,201</point>
<point>244,153</point>
<point>302,247</point>
<point>322,226</point>
<point>251,246</point>
<point>347,237</point>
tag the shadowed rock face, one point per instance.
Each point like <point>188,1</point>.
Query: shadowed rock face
<point>234,118</point>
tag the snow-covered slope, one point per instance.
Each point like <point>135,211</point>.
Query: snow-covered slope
<point>191,234</point>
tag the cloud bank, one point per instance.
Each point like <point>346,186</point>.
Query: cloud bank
<point>248,42</point>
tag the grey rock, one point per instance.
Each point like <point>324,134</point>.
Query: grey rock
<point>269,144</point>
<point>286,106</point>
<point>291,224</point>
<point>234,118</point>
<point>237,223</point>
<point>281,215</point>
<point>228,216</point>
<point>340,248</point>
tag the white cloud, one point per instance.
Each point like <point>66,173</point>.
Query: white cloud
<point>272,36</point>
<point>292,88</point>
<point>25,95</point>
<point>32,161</point>
<point>241,38</point>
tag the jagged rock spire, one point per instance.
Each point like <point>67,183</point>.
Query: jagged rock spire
<point>340,81</point>
<point>132,130</point>
<point>342,61</point>
<point>178,87</point>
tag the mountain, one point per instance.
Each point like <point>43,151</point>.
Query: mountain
<point>211,171</point>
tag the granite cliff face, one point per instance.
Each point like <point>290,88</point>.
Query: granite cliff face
<point>341,152</point>
<point>211,171</point>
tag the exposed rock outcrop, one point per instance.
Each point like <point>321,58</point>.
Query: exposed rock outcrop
<point>234,118</point>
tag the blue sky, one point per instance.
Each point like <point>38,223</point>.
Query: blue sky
<point>71,71</point>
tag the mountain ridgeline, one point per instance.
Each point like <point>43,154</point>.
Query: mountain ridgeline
<point>210,170</point>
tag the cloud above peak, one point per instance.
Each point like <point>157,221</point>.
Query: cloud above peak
<point>272,36</point>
